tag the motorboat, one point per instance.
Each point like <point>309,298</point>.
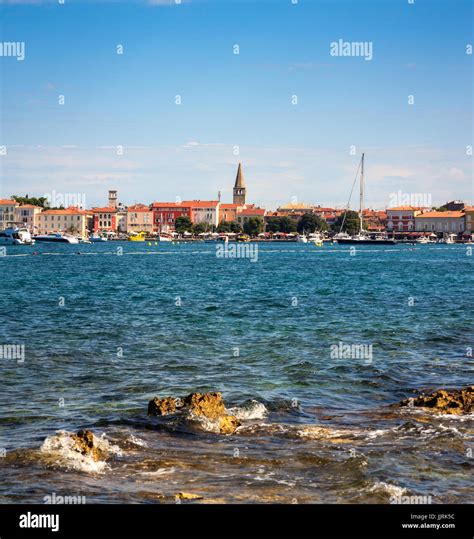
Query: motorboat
<point>16,236</point>
<point>95,238</point>
<point>136,236</point>
<point>164,237</point>
<point>301,238</point>
<point>56,237</point>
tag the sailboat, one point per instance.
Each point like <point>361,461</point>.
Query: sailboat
<point>363,237</point>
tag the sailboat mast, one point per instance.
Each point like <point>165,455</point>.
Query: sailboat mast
<point>361,194</point>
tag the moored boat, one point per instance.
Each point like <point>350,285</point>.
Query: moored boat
<point>16,236</point>
<point>56,237</point>
<point>362,237</point>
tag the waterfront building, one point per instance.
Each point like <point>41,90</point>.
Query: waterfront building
<point>122,216</point>
<point>402,218</point>
<point>469,220</point>
<point>228,212</point>
<point>7,212</point>
<point>139,218</point>
<point>246,213</point>
<point>71,220</point>
<point>26,216</point>
<point>166,213</point>
<point>446,222</point>
<point>288,210</point>
<point>105,219</point>
<point>375,220</point>
<point>240,189</point>
<point>204,211</point>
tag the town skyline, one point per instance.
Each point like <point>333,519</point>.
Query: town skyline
<point>140,99</point>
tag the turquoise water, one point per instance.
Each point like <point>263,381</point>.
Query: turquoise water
<point>106,333</point>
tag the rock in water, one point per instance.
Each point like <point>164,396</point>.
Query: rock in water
<point>84,444</point>
<point>228,424</point>
<point>162,406</point>
<point>210,405</point>
<point>455,401</point>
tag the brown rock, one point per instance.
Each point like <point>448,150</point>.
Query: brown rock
<point>187,496</point>
<point>228,424</point>
<point>209,405</point>
<point>84,444</point>
<point>162,406</point>
<point>455,401</point>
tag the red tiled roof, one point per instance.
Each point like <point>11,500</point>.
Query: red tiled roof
<point>229,206</point>
<point>253,211</point>
<point>201,203</point>
<point>138,208</point>
<point>7,201</point>
<point>107,209</point>
<point>169,205</point>
<point>441,214</point>
<point>66,211</point>
<point>29,206</point>
<point>405,208</point>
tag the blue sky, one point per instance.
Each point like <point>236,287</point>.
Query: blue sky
<point>289,151</point>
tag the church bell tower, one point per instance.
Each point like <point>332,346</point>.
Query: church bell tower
<point>240,190</point>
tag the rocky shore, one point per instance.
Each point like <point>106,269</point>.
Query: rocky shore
<point>445,401</point>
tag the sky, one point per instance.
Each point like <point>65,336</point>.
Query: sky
<point>295,115</point>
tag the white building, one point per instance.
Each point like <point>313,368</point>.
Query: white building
<point>7,212</point>
<point>27,216</point>
<point>203,211</point>
<point>446,222</point>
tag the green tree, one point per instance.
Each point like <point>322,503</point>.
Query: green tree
<point>183,224</point>
<point>351,223</point>
<point>310,222</point>
<point>41,201</point>
<point>281,224</point>
<point>254,226</point>
<point>199,228</point>
<point>235,227</point>
<point>224,226</point>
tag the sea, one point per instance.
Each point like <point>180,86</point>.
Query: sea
<point>311,347</point>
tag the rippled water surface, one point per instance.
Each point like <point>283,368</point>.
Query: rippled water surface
<point>106,333</point>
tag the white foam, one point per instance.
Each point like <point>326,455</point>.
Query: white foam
<point>252,410</point>
<point>392,490</point>
<point>158,473</point>
<point>137,441</point>
<point>61,447</point>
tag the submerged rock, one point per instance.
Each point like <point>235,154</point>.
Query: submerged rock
<point>84,443</point>
<point>162,406</point>
<point>187,496</point>
<point>453,401</point>
<point>197,405</point>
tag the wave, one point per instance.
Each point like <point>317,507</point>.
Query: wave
<point>59,450</point>
<point>250,410</point>
<point>386,488</point>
